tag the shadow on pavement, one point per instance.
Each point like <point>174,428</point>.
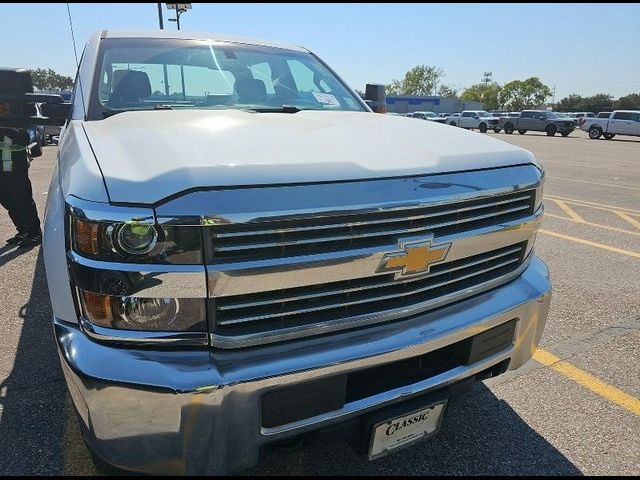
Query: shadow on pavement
<point>33,397</point>
<point>9,252</point>
<point>480,435</point>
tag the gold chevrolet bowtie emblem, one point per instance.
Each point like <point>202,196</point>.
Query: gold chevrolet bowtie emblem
<point>415,257</point>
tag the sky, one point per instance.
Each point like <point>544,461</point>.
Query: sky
<point>580,48</point>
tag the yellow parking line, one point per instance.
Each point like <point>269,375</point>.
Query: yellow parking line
<point>627,218</point>
<point>567,209</point>
<point>590,243</point>
<point>597,206</point>
<point>596,183</point>
<point>607,227</point>
<point>588,381</point>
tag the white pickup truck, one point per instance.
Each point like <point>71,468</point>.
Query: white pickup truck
<point>620,122</point>
<point>478,119</point>
<point>245,255</point>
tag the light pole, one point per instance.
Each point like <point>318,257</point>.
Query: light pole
<point>180,8</point>
<point>160,16</point>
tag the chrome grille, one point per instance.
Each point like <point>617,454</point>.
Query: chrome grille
<point>294,307</point>
<point>263,240</point>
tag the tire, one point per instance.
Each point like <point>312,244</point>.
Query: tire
<point>482,127</point>
<point>608,136</point>
<point>508,128</point>
<point>496,130</point>
<point>565,134</point>
<point>551,130</point>
<point>522,131</point>
<point>595,132</point>
<point>453,124</point>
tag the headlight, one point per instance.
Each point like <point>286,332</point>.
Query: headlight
<point>151,314</point>
<point>136,241</point>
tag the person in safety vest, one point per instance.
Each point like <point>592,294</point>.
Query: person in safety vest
<point>16,194</point>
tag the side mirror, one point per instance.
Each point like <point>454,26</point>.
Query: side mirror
<point>58,111</point>
<point>375,97</point>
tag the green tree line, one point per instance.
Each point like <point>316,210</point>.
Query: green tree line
<point>525,94</point>
<point>48,80</point>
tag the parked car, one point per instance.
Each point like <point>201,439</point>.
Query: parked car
<point>538,121</point>
<point>604,114</point>
<point>452,119</point>
<point>478,119</point>
<point>236,269</point>
<point>619,122</point>
<point>431,116</point>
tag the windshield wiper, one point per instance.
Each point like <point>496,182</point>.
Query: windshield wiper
<point>282,109</point>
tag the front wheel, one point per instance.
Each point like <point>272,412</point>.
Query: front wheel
<point>496,130</point>
<point>508,129</point>
<point>453,124</point>
<point>551,130</point>
<point>609,136</point>
<point>595,133</point>
<point>565,134</point>
<point>522,131</point>
<point>483,128</point>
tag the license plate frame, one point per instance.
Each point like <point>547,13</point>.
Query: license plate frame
<point>407,434</point>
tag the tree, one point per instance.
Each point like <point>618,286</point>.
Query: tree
<point>524,94</point>
<point>595,103</point>
<point>486,93</point>
<point>445,91</point>
<point>420,80</point>
<point>628,102</point>
<point>47,79</point>
<point>570,103</point>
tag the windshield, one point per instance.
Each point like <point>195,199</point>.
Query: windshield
<point>431,115</point>
<point>147,74</point>
<point>484,114</point>
<point>552,115</point>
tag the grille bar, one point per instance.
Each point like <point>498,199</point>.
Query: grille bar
<point>280,309</point>
<point>280,238</point>
<point>230,305</point>
<point>371,222</point>
<point>382,233</point>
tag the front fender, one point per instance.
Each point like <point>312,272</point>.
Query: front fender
<point>54,251</point>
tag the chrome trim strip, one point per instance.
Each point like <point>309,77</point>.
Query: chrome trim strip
<point>140,337</point>
<point>358,321</point>
<point>156,280</point>
<point>233,306</point>
<point>371,222</point>
<point>230,279</point>
<point>367,300</point>
<point>402,231</point>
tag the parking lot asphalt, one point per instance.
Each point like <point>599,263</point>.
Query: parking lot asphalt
<point>574,409</point>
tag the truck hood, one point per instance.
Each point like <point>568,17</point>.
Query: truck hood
<point>146,156</point>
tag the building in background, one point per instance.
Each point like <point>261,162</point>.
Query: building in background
<point>415,103</point>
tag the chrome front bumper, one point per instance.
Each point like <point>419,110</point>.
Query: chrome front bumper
<point>197,411</point>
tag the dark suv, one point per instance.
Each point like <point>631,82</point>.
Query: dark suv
<point>538,121</point>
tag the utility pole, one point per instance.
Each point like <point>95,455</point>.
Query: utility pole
<point>553,98</point>
<point>160,16</point>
